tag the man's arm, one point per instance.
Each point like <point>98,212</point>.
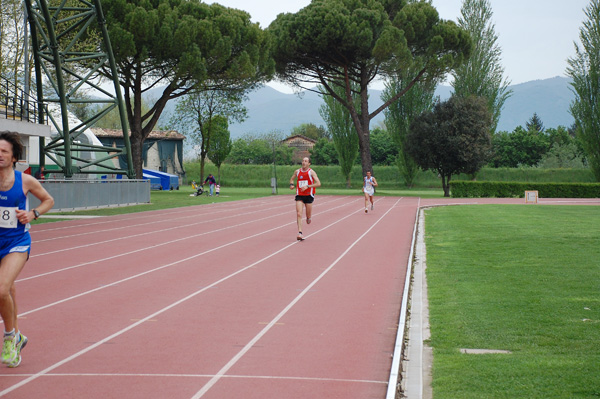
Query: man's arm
<point>31,185</point>
<point>317,182</point>
<point>292,179</point>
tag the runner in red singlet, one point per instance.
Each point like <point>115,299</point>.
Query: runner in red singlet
<point>306,182</point>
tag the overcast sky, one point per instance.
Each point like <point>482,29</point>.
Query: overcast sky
<point>536,36</point>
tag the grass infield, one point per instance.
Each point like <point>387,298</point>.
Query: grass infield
<point>521,278</point>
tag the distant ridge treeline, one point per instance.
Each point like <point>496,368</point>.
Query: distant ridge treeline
<point>270,110</point>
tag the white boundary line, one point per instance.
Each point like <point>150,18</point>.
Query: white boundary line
<point>187,217</point>
<point>47,370</point>
<point>231,376</point>
<point>397,357</point>
<point>276,319</point>
<point>40,229</point>
<point>157,268</point>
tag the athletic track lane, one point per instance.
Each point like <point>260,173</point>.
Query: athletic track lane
<point>215,301</point>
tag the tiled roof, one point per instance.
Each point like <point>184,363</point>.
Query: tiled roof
<point>299,136</point>
<point>155,134</point>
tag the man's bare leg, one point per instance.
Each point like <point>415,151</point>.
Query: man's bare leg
<point>308,213</point>
<point>299,205</point>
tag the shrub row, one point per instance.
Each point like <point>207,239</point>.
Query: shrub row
<point>330,176</point>
<point>477,189</point>
<point>388,177</point>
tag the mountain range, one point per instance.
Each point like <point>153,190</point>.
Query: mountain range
<point>271,110</point>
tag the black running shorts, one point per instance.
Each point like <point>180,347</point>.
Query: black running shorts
<point>307,199</point>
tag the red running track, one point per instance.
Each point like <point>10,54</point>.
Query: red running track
<point>215,301</point>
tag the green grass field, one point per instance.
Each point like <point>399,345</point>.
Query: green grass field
<point>520,278</point>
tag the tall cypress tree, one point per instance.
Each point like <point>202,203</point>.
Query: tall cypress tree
<point>400,114</point>
<point>584,70</point>
<point>482,74</point>
<point>340,126</point>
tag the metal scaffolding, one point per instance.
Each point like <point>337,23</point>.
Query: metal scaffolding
<point>70,43</point>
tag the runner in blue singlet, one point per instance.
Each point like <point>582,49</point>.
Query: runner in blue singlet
<point>15,241</point>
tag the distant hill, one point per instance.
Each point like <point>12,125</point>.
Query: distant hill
<point>270,110</point>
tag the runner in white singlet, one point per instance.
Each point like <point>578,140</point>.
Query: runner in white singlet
<point>369,184</point>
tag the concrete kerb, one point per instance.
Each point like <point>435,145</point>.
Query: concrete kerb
<point>416,365</point>
<point>394,385</point>
<point>412,357</point>
<point>419,356</point>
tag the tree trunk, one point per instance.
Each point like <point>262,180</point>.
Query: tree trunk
<point>136,154</point>
<point>202,157</point>
<point>363,129</point>
<point>364,144</point>
<point>446,185</point>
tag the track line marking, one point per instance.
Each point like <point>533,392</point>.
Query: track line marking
<point>276,319</point>
<point>135,235</point>
<point>258,377</point>
<point>151,270</point>
<point>47,370</point>
<point>139,215</point>
<point>146,248</point>
<point>142,234</point>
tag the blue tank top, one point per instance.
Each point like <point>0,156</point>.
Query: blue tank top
<point>14,198</point>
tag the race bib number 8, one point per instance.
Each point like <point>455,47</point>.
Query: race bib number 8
<point>8,217</point>
<point>302,183</point>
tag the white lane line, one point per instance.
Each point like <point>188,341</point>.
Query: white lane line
<point>152,270</point>
<point>154,315</point>
<point>277,318</point>
<point>145,319</point>
<point>145,214</point>
<point>186,217</point>
<point>145,233</point>
<point>156,246</point>
<point>231,376</point>
<point>399,344</point>
<point>141,234</point>
<point>145,248</point>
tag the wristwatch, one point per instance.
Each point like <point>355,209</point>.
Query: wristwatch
<point>36,214</point>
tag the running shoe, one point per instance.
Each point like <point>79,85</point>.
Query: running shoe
<point>366,210</point>
<point>300,237</point>
<point>308,220</point>
<point>371,206</point>
<point>21,342</point>
<point>10,352</point>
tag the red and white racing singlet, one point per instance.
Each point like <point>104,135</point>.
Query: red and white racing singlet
<point>304,178</point>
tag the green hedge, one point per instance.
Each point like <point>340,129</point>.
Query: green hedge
<point>480,189</point>
<point>260,175</point>
<point>388,177</point>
